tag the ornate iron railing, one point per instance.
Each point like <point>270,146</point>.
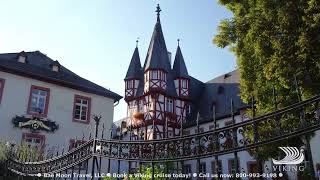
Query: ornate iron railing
<point>295,120</point>
<point>54,165</point>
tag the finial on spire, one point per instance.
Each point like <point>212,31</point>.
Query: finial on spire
<point>158,12</point>
<point>178,41</point>
<point>137,41</point>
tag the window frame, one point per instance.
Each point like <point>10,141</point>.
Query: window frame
<point>228,123</point>
<point>231,163</point>
<point>184,83</point>
<point>35,135</point>
<point>74,143</point>
<point>2,82</point>
<point>87,121</point>
<point>213,166</point>
<point>169,105</point>
<point>187,168</point>
<point>45,112</point>
<point>201,129</point>
<point>201,165</point>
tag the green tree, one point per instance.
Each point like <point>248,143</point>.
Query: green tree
<point>274,42</point>
<point>146,172</point>
<point>21,153</point>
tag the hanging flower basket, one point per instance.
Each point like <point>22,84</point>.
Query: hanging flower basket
<point>138,115</point>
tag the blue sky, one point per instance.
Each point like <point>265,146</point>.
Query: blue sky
<point>96,39</point>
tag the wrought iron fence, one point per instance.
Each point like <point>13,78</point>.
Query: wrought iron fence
<point>298,119</point>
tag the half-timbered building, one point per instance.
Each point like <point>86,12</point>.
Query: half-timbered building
<point>165,101</point>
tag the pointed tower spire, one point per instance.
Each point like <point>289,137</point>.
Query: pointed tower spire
<point>135,65</point>
<point>179,66</point>
<point>157,55</point>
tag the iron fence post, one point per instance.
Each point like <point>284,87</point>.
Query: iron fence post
<point>97,120</point>
<point>306,136</point>
<point>256,136</point>
<point>235,137</point>
<point>198,147</point>
<point>217,145</point>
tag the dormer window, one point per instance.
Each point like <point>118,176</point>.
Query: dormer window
<point>55,66</point>
<point>22,57</point>
<point>184,83</point>
<point>155,79</point>
<point>129,84</point>
<point>157,75</point>
<point>154,74</point>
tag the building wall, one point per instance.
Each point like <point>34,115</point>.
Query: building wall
<point>15,102</point>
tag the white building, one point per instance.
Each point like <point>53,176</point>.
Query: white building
<point>46,105</point>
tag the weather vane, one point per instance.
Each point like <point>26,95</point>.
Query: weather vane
<point>137,41</point>
<point>158,12</point>
<point>178,41</point>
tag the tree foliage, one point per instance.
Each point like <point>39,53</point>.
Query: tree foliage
<point>274,42</point>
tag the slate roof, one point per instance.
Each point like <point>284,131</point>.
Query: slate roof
<point>179,66</point>
<point>218,91</point>
<point>157,55</point>
<point>38,67</point>
<point>135,66</point>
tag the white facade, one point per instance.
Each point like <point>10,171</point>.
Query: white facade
<point>15,99</point>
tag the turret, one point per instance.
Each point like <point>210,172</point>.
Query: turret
<point>181,79</point>
<point>133,76</point>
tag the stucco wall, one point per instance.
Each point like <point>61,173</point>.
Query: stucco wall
<point>15,102</point>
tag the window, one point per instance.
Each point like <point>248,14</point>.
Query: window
<point>154,74</point>
<point>1,88</point>
<point>202,168</point>
<point>129,84</point>
<point>186,132</point>
<point>252,167</point>
<point>140,106</point>
<point>189,109</point>
<point>81,109</point>
<point>187,168</point>
<point>74,143</point>
<point>211,127</point>
<point>184,83</point>
<point>214,166</point>
<point>228,123</point>
<point>163,76</point>
<point>169,105</point>
<point>38,101</point>
<point>232,166</point>
<point>200,130</point>
<point>33,140</point>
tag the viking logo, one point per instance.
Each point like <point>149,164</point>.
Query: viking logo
<point>293,156</point>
